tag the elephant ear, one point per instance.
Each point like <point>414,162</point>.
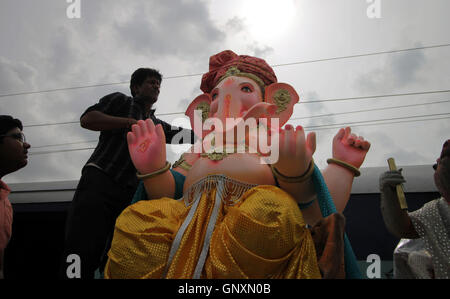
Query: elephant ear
<point>201,104</point>
<point>284,97</point>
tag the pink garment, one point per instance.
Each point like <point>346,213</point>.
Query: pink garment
<point>6,215</point>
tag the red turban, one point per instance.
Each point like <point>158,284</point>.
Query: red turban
<point>221,63</point>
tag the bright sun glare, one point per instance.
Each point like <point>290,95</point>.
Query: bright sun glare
<point>268,18</point>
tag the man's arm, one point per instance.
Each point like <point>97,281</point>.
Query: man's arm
<point>99,121</point>
<point>185,136</point>
<point>110,113</point>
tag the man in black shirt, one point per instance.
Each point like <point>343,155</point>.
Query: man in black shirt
<point>108,179</point>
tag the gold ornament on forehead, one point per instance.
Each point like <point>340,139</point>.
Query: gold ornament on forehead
<point>282,98</point>
<point>232,71</point>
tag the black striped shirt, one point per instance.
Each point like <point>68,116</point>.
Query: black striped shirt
<point>111,154</point>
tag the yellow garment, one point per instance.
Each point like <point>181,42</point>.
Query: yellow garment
<point>260,235</point>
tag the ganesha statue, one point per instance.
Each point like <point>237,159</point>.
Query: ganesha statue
<point>246,201</point>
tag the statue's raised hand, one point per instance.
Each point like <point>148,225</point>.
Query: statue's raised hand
<point>147,146</point>
<point>296,151</point>
<point>349,147</point>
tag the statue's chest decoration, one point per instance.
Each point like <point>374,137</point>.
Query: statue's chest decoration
<point>219,153</point>
<point>214,156</point>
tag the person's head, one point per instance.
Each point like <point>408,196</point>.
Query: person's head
<point>13,147</point>
<point>442,171</point>
<point>145,83</point>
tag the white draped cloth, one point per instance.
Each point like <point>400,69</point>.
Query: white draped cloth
<point>428,256</point>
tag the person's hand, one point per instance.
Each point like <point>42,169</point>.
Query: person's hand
<point>130,123</point>
<point>146,144</point>
<point>349,147</point>
<point>390,179</point>
<point>296,151</point>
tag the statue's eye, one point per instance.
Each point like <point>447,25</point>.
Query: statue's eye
<point>214,94</point>
<point>246,88</point>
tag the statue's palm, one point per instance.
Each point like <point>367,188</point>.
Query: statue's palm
<point>296,151</point>
<point>146,144</point>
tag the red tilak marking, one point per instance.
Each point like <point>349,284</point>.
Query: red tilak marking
<point>228,82</point>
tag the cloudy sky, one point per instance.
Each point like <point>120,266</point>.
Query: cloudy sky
<point>53,67</point>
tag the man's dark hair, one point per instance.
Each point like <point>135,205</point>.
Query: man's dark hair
<point>140,75</point>
<point>8,123</point>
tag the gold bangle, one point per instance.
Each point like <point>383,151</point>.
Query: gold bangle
<point>294,179</point>
<point>350,167</point>
<point>155,173</point>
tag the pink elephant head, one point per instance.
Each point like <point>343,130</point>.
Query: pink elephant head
<point>241,86</point>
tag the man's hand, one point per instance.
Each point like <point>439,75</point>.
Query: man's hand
<point>147,146</point>
<point>131,122</point>
<point>349,147</point>
<point>388,181</point>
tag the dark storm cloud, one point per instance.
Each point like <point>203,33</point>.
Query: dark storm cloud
<point>312,109</point>
<point>64,57</point>
<point>399,70</point>
<point>170,28</point>
<point>15,76</point>
<point>405,68</point>
<point>388,146</point>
